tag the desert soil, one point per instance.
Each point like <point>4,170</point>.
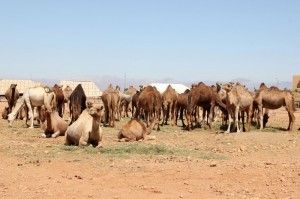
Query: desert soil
<point>209,164</point>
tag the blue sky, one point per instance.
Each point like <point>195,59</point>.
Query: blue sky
<point>183,40</point>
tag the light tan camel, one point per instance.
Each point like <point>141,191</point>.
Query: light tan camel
<point>86,129</point>
<point>136,130</point>
<point>111,101</point>
<point>238,99</point>
<point>53,124</point>
<point>273,98</point>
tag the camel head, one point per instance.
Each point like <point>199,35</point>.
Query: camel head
<point>228,86</point>
<point>10,119</point>
<point>96,111</point>
<point>13,86</point>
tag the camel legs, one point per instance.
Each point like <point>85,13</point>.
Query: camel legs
<point>236,121</point>
<point>291,119</point>
<point>229,122</point>
<point>260,115</point>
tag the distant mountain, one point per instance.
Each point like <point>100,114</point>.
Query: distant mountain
<point>103,82</point>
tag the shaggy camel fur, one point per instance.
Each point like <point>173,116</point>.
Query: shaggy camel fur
<point>86,129</point>
<point>238,99</point>
<point>53,124</point>
<point>273,98</point>
<point>136,130</point>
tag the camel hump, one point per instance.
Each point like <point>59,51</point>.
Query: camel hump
<point>48,89</point>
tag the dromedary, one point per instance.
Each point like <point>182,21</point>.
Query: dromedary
<point>5,112</point>
<point>149,102</point>
<point>238,99</point>
<point>32,97</point>
<point>67,93</point>
<point>12,95</point>
<point>53,124</point>
<point>86,129</point>
<point>169,105</point>
<point>203,96</point>
<point>111,101</point>
<point>182,105</point>
<point>273,98</point>
<point>59,99</point>
<point>136,130</point>
<point>77,102</point>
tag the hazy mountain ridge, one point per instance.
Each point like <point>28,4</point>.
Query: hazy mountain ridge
<point>104,81</point>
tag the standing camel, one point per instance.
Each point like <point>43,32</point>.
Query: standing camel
<point>273,98</point>
<point>169,105</point>
<point>12,95</point>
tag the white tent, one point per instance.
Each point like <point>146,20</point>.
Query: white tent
<point>161,87</point>
<point>22,85</point>
<point>90,88</point>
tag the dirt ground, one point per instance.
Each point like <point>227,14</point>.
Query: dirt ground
<point>202,163</point>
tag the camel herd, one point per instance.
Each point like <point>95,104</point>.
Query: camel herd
<point>147,108</point>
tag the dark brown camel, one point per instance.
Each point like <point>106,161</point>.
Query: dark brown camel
<point>149,101</point>
<point>12,95</point>
<point>202,96</point>
<point>182,105</point>
<point>59,99</point>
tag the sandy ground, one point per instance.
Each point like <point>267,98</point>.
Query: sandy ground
<point>205,164</point>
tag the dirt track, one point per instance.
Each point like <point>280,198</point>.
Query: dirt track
<point>205,164</point>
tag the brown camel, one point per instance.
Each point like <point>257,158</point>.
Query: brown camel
<point>202,96</point>
<point>111,101</point>
<point>77,102</point>
<point>149,101</point>
<point>238,99</point>
<point>12,95</point>
<point>59,99</point>
<point>273,98</point>
<point>182,106</point>
<point>136,130</point>
<point>169,105</point>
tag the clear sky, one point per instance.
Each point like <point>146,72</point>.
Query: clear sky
<point>178,39</point>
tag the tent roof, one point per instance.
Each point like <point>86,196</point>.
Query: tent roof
<point>90,88</point>
<point>161,87</point>
<point>22,85</point>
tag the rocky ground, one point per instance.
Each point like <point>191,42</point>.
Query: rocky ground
<point>202,163</point>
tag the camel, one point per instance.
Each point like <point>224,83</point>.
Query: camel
<point>111,100</point>
<point>32,97</point>
<point>134,102</point>
<point>255,115</point>
<point>126,100</point>
<point>86,129</point>
<point>203,96</point>
<point>238,99</point>
<point>77,102</point>
<point>53,124</point>
<point>149,101</point>
<point>182,105</point>
<point>136,130</point>
<point>273,98</point>
<point>5,112</point>
<point>59,99</point>
<point>12,95</point>
<point>67,93</point>
<point>169,104</point>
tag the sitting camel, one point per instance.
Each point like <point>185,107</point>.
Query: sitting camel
<point>86,129</point>
<point>136,130</point>
<point>5,112</point>
<point>53,125</point>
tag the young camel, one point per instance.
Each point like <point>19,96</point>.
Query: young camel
<point>53,124</point>
<point>136,130</point>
